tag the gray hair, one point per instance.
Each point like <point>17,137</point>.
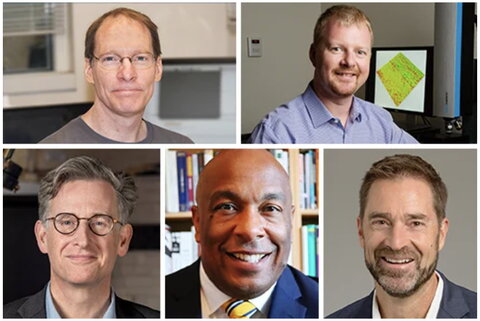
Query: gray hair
<point>87,168</point>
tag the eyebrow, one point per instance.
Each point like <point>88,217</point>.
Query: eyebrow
<point>224,194</point>
<point>81,217</point>
<point>386,215</point>
<point>373,215</point>
<point>417,216</point>
<point>273,196</point>
<point>234,196</point>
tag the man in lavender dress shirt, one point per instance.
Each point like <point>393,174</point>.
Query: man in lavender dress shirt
<point>328,112</point>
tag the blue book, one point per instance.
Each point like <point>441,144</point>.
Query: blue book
<point>312,249</point>
<point>182,181</point>
<point>313,181</point>
<point>317,250</point>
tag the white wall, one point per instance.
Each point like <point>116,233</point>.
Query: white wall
<point>284,70</point>
<point>287,29</point>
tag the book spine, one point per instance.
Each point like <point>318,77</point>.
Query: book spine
<point>307,173</point>
<point>182,181</point>
<point>315,180</point>
<point>201,162</point>
<point>301,182</point>
<point>189,181</point>
<point>195,174</point>
<point>317,235</point>
<point>304,233</point>
<point>312,250</point>
<point>171,182</point>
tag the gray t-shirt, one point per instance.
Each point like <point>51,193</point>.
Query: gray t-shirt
<point>77,131</point>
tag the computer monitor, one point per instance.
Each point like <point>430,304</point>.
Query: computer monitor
<point>401,79</point>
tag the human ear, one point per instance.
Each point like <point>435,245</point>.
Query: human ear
<point>158,69</point>
<point>312,53</point>
<point>361,237</point>
<point>41,236</point>
<point>88,71</point>
<point>443,233</point>
<point>126,233</point>
<point>196,222</point>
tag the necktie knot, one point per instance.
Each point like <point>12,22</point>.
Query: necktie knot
<point>239,309</point>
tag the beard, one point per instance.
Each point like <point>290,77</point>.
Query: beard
<point>400,284</point>
<point>342,88</point>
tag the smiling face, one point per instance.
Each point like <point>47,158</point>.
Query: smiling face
<point>401,235</point>
<point>243,221</point>
<point>127,90</point>
<point>83,258</point>
<point>341,60</point>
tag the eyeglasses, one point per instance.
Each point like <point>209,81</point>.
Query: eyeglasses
<point>113,62</point>
<point>99,224</point>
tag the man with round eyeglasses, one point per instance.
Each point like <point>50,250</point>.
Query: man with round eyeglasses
<point>122,62</point>
<point>83,226</point>
<point>99,224</point>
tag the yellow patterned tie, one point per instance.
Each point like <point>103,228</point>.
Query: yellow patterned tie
<point>239,309</point>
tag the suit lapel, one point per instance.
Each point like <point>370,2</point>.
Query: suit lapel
<point>453,304</point>
<point>187,293</point>
<point>34,306</point>
<point>285,298</point>
<point>124,309</point>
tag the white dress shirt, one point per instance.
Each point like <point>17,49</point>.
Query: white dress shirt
<point>52,312</point>
<point>212,299</point>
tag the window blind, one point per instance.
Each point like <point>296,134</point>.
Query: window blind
<point>28,19</point>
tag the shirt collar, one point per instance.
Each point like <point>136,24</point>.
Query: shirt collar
<point>52,312</point>
<point>320,115</point>
<point>432,310</point>
<point>212,298</point>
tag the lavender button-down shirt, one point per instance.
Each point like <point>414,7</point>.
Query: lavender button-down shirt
<point>305,120</point>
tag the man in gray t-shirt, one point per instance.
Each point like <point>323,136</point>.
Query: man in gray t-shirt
<point>123,62</point>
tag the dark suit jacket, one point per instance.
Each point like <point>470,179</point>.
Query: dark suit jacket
<point>34,307</point>
<point>457,303</point>
<point>294,296</point>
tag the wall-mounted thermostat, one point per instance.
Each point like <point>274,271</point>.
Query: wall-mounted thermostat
<point>254,46</point>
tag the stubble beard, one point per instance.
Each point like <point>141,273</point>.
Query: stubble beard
<point>342,88</point>
<point>401,284</point>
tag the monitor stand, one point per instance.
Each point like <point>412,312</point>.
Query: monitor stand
<point>410,124</point>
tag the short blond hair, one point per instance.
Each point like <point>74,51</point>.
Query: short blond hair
<point>346,15</point>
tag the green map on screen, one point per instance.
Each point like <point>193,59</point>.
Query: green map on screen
<point>399,76</point>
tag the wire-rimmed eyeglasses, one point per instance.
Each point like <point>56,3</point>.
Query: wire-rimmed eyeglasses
<point>99,224</point>
<point>113,61</point>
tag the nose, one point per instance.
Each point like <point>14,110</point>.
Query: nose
<point>250,225</point>
<point>398,237</point>
<point>348,60</point>
<point>83,234</point>
<point>127,71</point>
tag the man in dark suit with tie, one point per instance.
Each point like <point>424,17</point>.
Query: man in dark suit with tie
<point>84,208</point>
<point>402,226</point>
<point>243,223</point>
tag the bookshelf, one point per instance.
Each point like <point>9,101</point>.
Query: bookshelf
<point>182,221</point>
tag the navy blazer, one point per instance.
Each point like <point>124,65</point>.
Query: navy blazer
<point>457,303</point>
<point>294,296</point>
<point>33,307</point>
